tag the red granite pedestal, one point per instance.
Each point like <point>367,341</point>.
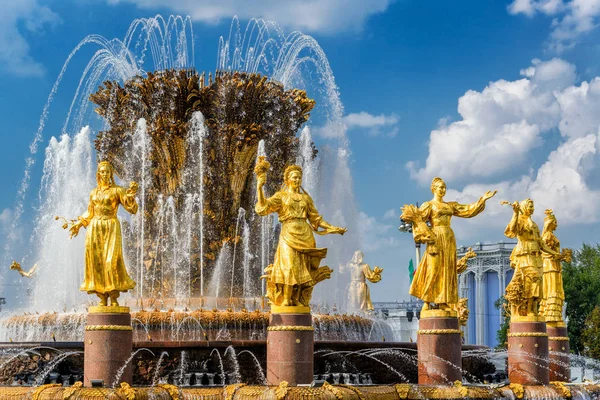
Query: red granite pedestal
<point>528,353</point>
<point>438,348</point>
<point>290,348</point>
<point>558,348</point>
<point>108,342</point>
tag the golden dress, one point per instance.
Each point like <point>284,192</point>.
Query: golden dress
<point>104,266</point>
<point>297,258</point>
<point>436,278</point>
<point>526,257</point>
<point>554,294</point>
<point>359,296</point>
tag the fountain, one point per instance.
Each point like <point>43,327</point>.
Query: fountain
<point>200,325</point>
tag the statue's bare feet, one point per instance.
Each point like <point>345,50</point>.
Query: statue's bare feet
<point>103,299</point>
<point>113,299</point>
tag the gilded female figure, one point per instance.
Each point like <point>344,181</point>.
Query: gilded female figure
<point>524,291</point>
<point>359,296</point>
<point>553,292</point>
<point>105,273</point>
<point>295,270</point>
<point>436,278</point>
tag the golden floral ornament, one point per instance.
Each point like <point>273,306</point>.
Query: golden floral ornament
<point>230,390</point>
<point>281,390</point>
<point>337,392</point>
<point>517,389</point>
<point>70,391</point>
<point>127,390</point>
<point>171,389</point>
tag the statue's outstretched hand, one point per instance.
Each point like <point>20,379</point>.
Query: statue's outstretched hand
<point>74,230</point>
<point>489,194</point>
<point>339,230</point>
<point>133,188</point>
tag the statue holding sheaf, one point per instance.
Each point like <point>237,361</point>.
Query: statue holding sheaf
<point>525,290</point>
<point>436,278</point>
<point>295,270</point>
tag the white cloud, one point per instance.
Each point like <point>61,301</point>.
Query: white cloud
<point>376,125</point>
<point>376,235</point>
<point>573,18</point>
<point>500,125</point>
<point>548,100</point>
<point>323,16</point>
<point>390,214</point>
<point>15,57</point>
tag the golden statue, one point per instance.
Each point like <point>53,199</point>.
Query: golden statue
<point>553,293</point>
<point>436,278</point>
<point>359,296</point>
<point>105,273</point>
<point>17,267</point>
<point>524,291</point>
<point>295,271</point>
<point>462,264</point>
<point>462,310</point>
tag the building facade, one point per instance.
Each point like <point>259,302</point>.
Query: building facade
<point>483,283</point>
<point>402,317</point>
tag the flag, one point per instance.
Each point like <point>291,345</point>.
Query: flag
<point>411,270</point>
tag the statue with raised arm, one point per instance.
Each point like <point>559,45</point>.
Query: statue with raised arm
<point>359,296</point>
<point>553,292</point>
<point>295,270</point>
<point>105,274</point>
<point>525,290</point>
<point>436,278</point>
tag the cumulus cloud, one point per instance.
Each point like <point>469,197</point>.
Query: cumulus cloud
<point>375,234</point>
<point>572,18</point>
<point>323,16</point>
<point>390,214</point>
<point>567,181</point>
<point>500,125</point>
<point>376,125</point>
<point>15,57</point>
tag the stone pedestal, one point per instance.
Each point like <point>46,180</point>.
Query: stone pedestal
<point>438,348</point>
<point>290,348</point>
<point>108,342</point>
<point>558,348</point>
<point>528,353</point>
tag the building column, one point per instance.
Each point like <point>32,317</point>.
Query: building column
<point>480,308</point>
<point>501,280</point>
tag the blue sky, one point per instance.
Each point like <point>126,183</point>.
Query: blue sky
<point>487,94</point>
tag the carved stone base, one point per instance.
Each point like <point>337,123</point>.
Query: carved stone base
<point>438,348</point>
<point>558,348</point>
<point>290,349</point>
<point>528,353</point>
<point>108,342</point>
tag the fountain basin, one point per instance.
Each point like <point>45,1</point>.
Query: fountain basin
<point>208,363</point>
<point>189,326</point>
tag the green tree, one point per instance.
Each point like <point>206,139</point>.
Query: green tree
<point>502,334</point>
<point>590,336</point>
<point>582,291</point>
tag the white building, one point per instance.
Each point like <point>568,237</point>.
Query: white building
<point>402,317</point>
<point>483,283</point>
